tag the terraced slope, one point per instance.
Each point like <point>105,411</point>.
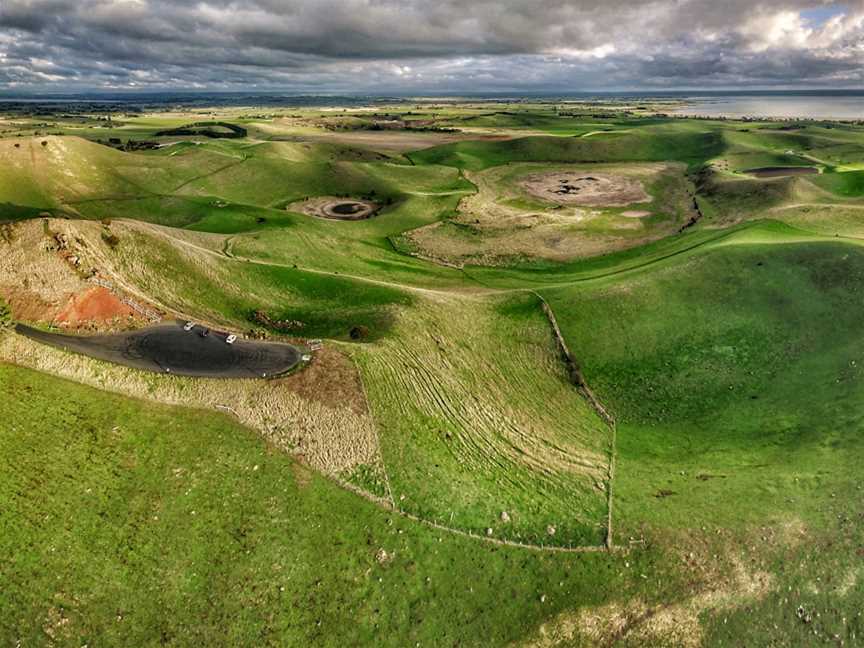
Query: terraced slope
<point>480,427</point>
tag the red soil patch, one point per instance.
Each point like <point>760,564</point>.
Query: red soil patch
<point>95,304</point>
<point>27,305</point>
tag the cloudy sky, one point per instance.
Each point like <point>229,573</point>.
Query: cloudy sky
<point>429,46</point>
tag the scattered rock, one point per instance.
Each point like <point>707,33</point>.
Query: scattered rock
<point>382,557</point>
<point>505,516</point>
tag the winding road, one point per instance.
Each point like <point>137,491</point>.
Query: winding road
<point>168,348</point>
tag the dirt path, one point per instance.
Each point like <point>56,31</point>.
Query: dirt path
<point>227,252</point>
<point>603,132</point>
<point>454,192</point>
<point>817,206</point>
<point>210,173</point>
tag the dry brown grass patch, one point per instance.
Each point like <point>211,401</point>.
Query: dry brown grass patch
<point>334,438</point>
<point>46,268</point>
<point>331,380</point>
<point>640,623</point>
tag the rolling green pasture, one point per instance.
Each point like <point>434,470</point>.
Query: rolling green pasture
<point>729,353</point>
<point>736,377</point>
<point>672,142</point>
<point>131,523</point>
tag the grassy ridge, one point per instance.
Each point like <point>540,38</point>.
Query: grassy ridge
<point>69,170</point>
<point>683,144</point>
<point>190,279</point>
<point>212,187</point>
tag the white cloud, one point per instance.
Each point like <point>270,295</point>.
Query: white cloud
<point>783,30</point>
<point>448,45</point>
<point>599,52</point>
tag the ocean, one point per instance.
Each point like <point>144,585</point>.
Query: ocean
<point>786,106</point>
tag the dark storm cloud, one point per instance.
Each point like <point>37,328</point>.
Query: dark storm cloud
<point>416,46</point>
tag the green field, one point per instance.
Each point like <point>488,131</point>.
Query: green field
<point>687,476</point>
<point>128,523</point>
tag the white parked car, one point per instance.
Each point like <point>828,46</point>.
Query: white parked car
<point>231,339</point>
<point>188,326</point>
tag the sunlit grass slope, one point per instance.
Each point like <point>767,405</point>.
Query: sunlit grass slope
<point>681,142</point>
<point>736,377</point>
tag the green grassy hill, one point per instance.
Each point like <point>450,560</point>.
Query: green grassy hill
<point>741,364</point>
<point>665,143</point>
<point>69,170</point>
<point>727,349</point>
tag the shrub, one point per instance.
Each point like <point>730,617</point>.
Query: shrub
<point>359,332</point>
<point>111,240</point>
<point>5,314</point>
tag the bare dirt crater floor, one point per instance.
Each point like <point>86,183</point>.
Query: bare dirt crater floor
<point>590,189</point>
<point>348,209</point>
